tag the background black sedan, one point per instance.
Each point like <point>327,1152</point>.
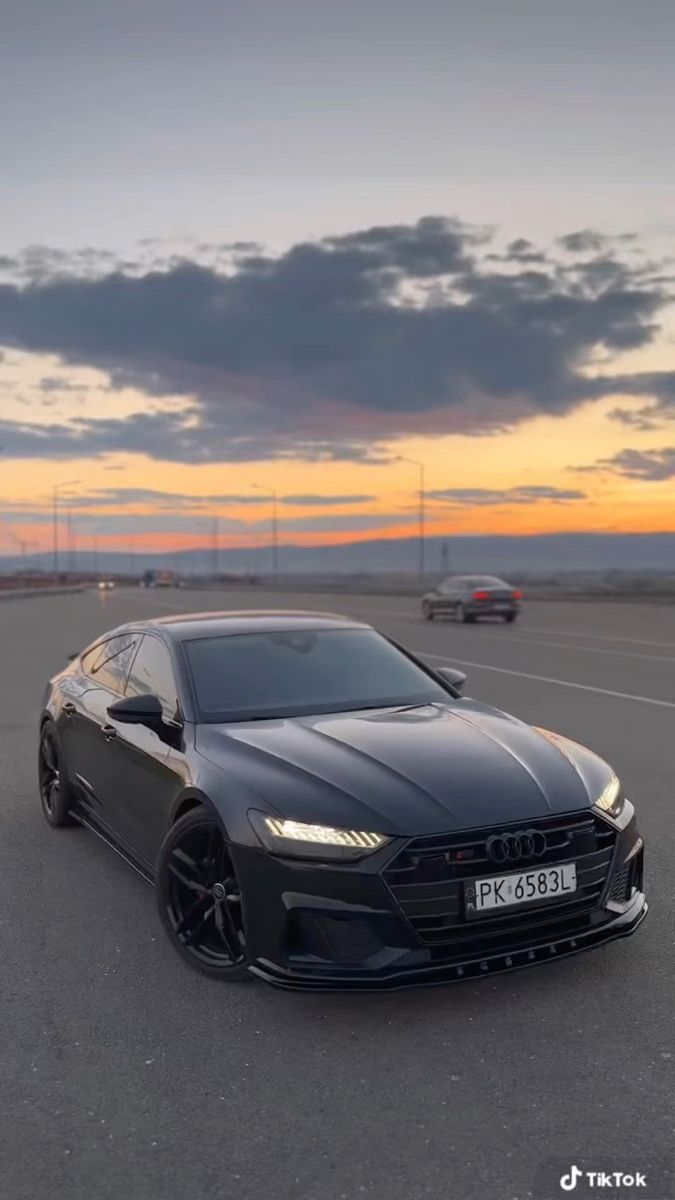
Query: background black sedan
<point>467,597</point>
<point>318,808</point>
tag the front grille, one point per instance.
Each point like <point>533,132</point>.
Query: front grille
<point>427,881</point>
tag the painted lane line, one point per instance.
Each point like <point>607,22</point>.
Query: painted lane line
<point>527,641</point>
<point>581,687</point>
<point>414,619</point>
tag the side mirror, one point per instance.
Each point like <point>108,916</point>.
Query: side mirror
<point>138,710</point>
<point>450,675</point>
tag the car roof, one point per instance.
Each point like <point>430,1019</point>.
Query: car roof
<point>185,626</point>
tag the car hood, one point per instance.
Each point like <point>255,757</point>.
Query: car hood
<point>428,769</point>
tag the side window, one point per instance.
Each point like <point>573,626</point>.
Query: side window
<point>112,664</point>
<point>88,660</point>
<point>152,672</point>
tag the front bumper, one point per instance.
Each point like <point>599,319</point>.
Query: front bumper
<point>321,927</point>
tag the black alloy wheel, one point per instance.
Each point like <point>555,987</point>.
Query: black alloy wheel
<point>199,898</point>
<point>55,792</point>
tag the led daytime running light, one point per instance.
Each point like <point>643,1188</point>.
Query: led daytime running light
<point>297,831</point>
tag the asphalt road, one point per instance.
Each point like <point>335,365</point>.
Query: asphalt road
<point>124,1075</point>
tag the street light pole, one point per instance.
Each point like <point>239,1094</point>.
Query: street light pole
<point>275,525</point>
<point>58,488</point>
<point>422,513</point>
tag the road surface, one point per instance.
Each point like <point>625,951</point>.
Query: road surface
<point>127,1076</point>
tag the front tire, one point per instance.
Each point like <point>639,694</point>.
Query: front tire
<point>199,900</point>
<point>56,795</point>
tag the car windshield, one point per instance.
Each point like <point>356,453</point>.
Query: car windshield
<point>280,674</point>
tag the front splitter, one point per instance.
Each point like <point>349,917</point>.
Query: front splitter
<point>440,974</point>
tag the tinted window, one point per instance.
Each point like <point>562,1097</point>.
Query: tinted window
<point>112,664</point>
<point>152,672</point>
<point>289,673</point>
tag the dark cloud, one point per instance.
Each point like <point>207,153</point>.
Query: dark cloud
<point>658,384</point>
<point>650,465</point>
<point>311,500</point>
<point>334,348</point>
<point>489,497</point>
<point>104,498</point>
<point>52,383</point>
<point>174,520</point>
<point>583,241</point>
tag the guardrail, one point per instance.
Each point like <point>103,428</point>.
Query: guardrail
<point>30,592</point>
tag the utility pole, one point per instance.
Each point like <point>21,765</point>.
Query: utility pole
<point>215,555</point>
<point>58,488</point>
<point>421,519</point>
<point>275,525</point>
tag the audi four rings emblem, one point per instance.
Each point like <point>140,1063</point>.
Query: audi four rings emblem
<point>511,847</point>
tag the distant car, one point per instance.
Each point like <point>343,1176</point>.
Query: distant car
<point>467,597</point>
<point>161,579</point>
<point>318,807</point>
<point>105,585</point>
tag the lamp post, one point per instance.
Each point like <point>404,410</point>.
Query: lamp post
<point>415,463</point>
<point>275,529</point>
<point>58,488</point>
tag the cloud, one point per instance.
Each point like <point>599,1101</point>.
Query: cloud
<point>652,466</point>
<point>87,522</point>
<point>115,498</point>
<point>660,385</point>
<point>489,497</point>
<point>310,500</point>
<point>584,241</point>
<point>333,349</point>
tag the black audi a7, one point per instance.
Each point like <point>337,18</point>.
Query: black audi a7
<point>319,808</point>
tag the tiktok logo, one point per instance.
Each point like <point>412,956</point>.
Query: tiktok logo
<point>569,1182</point>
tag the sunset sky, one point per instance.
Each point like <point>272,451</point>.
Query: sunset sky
<point>284,244</point>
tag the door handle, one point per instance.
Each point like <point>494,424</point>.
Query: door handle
<point>69,708</point>
<point>109,732</point>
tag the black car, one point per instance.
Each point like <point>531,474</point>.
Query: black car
<point>467,597</point>
<point>320,809</point>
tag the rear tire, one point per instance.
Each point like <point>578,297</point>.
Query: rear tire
<point>199,900</point>
<point>463,616</point>
<point>56,794</point>
<point>510,618</point>
<point>427,612</point>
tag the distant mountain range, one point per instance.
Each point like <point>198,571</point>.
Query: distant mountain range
<point>499,554</point>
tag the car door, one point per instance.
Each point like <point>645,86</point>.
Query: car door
<point>144,774</point>
<point>99,682</point>
<point>446,595</point>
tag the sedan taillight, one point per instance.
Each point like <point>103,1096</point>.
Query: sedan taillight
<point>481,595</point>
<point>517,595</point>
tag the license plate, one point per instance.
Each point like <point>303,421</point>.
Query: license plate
<point>502,891</point>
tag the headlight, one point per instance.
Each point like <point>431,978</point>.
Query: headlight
<point>301,840</point>
<point>611,800</point>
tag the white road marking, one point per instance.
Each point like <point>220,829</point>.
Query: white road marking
<point>528,641</point>
<point>581,687</point>
<point>415,619</point>
<point>602,637</point>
